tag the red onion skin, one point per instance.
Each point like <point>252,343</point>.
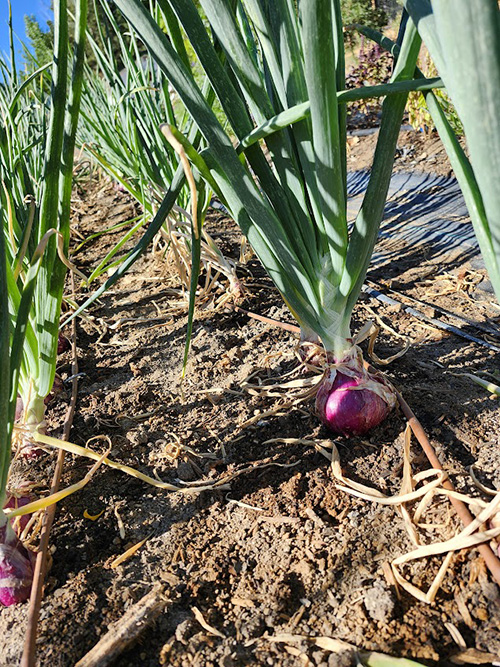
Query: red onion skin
<point>349,412</point>
<point>16,569</point>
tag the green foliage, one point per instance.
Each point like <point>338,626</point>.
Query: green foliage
<point>98,26</point>
<point>5,384</point>
<point>126,99</point>
<point>463,39</point>
<point>42,42</point>
<point>294,215</point>
<point>37,137</point>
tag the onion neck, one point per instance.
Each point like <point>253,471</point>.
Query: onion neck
<point>337,338</point>
<point>34,412</point>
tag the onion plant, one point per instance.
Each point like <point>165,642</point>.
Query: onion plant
<point>16,572</point>
<point>36,163</point>
<point>23,135</point>
<point>37,141</point>
<point>281,81</point>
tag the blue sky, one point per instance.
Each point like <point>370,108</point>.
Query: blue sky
<point>40,8</point>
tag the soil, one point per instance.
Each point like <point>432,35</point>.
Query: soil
<point>415,151</point>
<point>283,556</point>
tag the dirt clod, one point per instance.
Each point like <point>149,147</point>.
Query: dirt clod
<point>379,603</point>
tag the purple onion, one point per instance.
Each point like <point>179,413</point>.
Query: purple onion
<point>350,411</point>
<point>16,569</point>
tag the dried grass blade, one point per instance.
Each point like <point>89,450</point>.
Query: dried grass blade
<point>129,553</point>
<point>54,498</point>
<point>199,617</point>
<point>84,451</point>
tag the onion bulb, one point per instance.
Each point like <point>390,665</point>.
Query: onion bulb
<point>16,569</point>
<point>350,400</point>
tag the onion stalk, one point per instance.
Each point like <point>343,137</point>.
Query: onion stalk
<point>36,166</point>
<point>16,572</point>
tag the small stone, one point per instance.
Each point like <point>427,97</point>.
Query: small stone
<point>182,630</point>
<point>319,658</point>
<point>185,471</point>
<point>379,603</point>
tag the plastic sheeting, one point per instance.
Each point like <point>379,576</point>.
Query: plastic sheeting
<point>421,209</point>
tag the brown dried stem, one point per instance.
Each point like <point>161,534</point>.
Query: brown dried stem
<point>268,320</point>
<point>126,630</point>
